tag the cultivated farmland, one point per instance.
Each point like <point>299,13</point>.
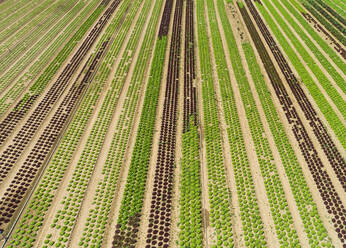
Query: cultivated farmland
<point>172,123</point>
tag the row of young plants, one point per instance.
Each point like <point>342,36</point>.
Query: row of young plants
<point>11,7</point>
<point>11,21</point>
<point>190,216</point>
<point>341,11</point>
<point>133,195</point>
<point>315,92</point>
<point>286,234</point>
<point>322,180</point>
<point>83,171</point>
<point>314,228</point>
<point>333,30</point>
<point>106,188</point>
<point>338,79</point>
<point>40,43</point>
<point>323,9</point>
<point>39,205</point>
<point>332,12</point>
<point>13,48</point>
<point>218,189</point>
<point>35,69</point>
<point>251,223</point>
<point>316,70</point>
<point>293,7</point>
<point>190,202</point>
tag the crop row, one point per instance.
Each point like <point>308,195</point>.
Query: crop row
<point>252,223</point>
<point>324,62</point>
<point>41,201</point>
<point>190,213</point>
<point>253,230</point>
<point>8,79</point>
<point>321,178</point>
<point>296,10</point>
<point>319,16</point>
<point>319,98</point>
<point>13,21</point>
<point>79,182</point>
<point>14,48</point>
<point>27,101</point>
<point>336,20</point>
<point>319,130</point>
<point>36,157</point>
<point>132,202</point>
<point>12,7</point>
<point>159,227</point>
<point>341,11</point>
<point>218,190</point>
<point>106,188</point>
<point>316,70</point>
<point>335,44</point>
<point>332,12</point>
<point>303,199</point>
<point>313,226</point>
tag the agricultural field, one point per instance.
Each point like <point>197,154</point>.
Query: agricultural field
<point>172,123</point>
